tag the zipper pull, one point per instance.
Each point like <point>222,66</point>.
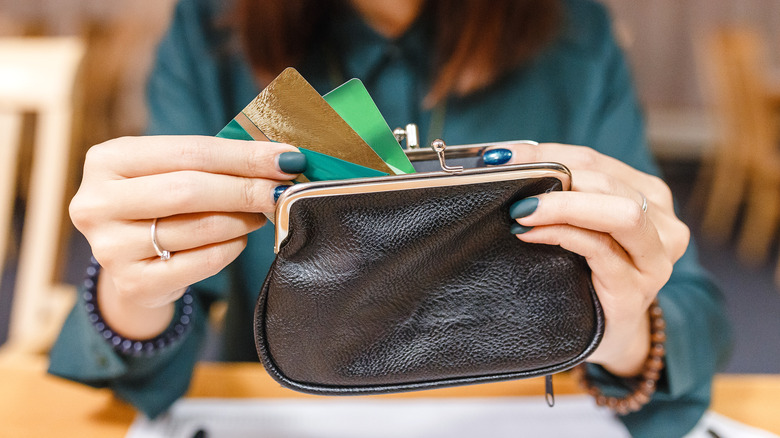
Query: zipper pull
<point>549,396</point>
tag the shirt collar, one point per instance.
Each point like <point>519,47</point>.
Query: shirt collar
<point>360,51</point>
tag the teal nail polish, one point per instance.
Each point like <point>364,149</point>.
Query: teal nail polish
<point>523,207</point>
<point>519,229</point>
<point>495,157</point>
<point>292,162</point>
<point>278,190</point>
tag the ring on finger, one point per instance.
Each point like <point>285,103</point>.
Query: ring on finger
<point>164,254</point>
<point>644,202</point>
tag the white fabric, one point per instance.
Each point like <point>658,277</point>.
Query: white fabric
<point>409,418</point>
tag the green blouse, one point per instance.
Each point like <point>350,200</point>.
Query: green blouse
<point>578,91</point>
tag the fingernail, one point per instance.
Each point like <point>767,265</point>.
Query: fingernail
<point>292,162</point>
<point>519,229</point>
<point>495,157</point>
<point>278,190</point>
<point>523,207</point>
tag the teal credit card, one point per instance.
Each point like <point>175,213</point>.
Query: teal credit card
<point>320,167</point>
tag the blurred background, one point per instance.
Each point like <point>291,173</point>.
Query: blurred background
<point>707,73</point>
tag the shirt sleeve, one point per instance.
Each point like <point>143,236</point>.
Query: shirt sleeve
<point>151,383</point>
<point>179,103</point>
<point>698,334</point>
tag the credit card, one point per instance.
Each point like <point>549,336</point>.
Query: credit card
<point>353,103</point>
<point>289,110</point>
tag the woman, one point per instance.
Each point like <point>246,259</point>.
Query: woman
<point>541,69</point>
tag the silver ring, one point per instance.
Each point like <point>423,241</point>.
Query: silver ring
<point>164,254</point>
<point>644,202</point>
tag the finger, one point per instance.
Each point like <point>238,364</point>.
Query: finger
<point>603,253</point>
<point>131,157</point>
<point>182,232</point>
<point>187,192</point>
<point>185,231</point>
<point>672,232</point>
<point>576,158</point>
<point>614,274</point>
<point>598,182</point>
<point>145,279</point>
<point>620,217</point>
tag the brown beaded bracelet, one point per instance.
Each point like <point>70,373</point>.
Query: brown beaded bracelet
<point>646,382</point>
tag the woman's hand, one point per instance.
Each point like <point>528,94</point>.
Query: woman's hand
<point>208,194</point>
<point>630,251</point>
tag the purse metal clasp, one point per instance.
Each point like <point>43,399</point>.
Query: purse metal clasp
<point>439,146</point>
<point>410,134</point>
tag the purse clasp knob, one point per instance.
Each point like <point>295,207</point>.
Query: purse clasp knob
<point>410,134</point>
<point>439,146</point>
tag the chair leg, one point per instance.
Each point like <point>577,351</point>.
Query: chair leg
<point>777,274</point>
<point>723,202</point>
<point>700,194</point>
<point>761,221</point>
<point>10,127</point>
<point>41,303</point>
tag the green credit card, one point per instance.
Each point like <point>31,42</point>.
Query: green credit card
<point>353,103</point>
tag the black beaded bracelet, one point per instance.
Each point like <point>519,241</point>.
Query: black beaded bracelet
<point>143,347</point>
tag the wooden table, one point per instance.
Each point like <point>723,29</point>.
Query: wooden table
<point>35,404</point>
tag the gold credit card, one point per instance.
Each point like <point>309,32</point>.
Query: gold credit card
<point>289,110</point>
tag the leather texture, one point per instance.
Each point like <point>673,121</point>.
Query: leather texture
<point>418,289</point>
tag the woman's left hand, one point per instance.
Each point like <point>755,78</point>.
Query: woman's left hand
<point>630,249</point>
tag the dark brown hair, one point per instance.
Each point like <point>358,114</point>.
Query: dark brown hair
<point>477,41</point>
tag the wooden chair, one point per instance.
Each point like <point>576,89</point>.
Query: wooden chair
<point>746,165</point>
<point>762,130</point>
<point>726,169</point>
<point>771,166</point>
<point>40,76</point>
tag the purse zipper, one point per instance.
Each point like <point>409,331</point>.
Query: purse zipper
<point>549,396</point>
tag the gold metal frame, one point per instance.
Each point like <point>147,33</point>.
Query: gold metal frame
<point>411,182</point>
<point>459,151</point>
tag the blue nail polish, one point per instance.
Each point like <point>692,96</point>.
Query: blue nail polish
<point>278,190</point>
<point>523,207</point>
<point>292,162</point>
<point>519,229</point>
<point>495,157</point>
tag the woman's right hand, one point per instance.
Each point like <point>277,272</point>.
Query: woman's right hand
<point>208,193</point>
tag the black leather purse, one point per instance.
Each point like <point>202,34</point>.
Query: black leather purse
<point>414,282</point>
